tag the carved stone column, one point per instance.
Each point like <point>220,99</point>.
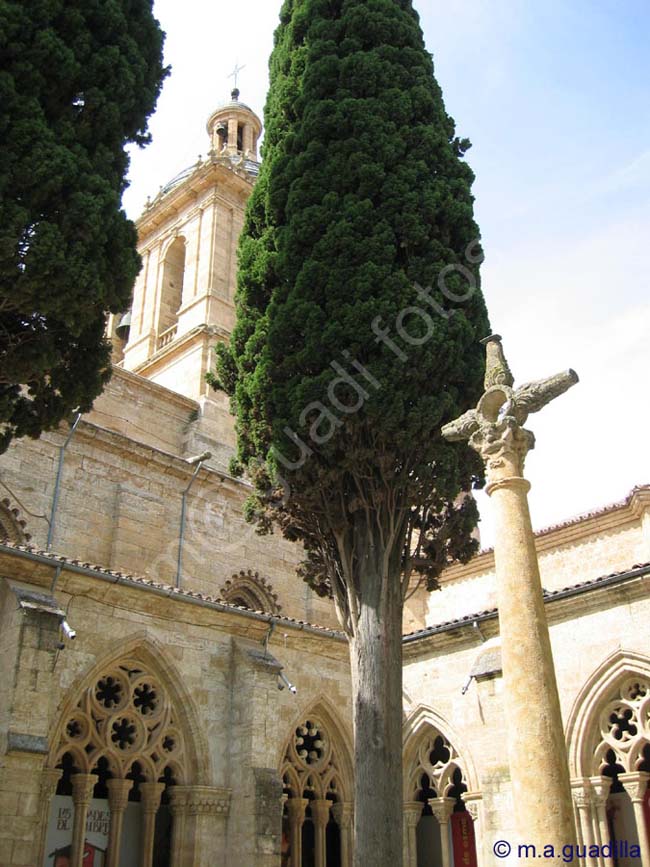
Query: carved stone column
<point>320,813</point>
<point>442,808</point>
<point>412,815</point>
<point>179,806</point>
<point>82,792</point>
<point>474,806</point>
<point>207,811</point>
<point>600,787</point>
<point>636,784</point>
<point>296,808</point>
<point>536,747</point>
<point>49,781</point>
<point>583,800</point>
<point>118,798</point>
<point>151,793</point>
<point>344,815</point>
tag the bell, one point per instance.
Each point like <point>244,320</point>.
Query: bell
<point>122,330</point>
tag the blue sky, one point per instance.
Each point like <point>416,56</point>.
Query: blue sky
<point>555,97</point>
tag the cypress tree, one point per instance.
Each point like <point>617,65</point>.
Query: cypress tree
<point>357,338</point>
<point>78,81</point>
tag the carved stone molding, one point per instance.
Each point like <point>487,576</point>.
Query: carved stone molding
<point>200,800</point>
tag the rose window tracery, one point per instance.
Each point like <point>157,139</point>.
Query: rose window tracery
<point>125,713</point>
<point>624,727</point>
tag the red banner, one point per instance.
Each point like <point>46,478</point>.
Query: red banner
<point>462,838</point>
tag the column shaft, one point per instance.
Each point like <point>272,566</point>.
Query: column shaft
<point>82,792</point>
<point>344,815</point>
<point>635,785</point>
<point>320,811</point>
<point>118,798</point>
<point>473,802</point>
<point>151,793</point>
<point>296,808</point>
<point>442,809</point>
<point>412,815</point>
<point>49,781</point>
<point>642,831</point>
<point>600,788</point>
<point>536,749</point>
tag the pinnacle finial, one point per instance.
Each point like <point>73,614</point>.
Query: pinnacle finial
<point>497,371</point>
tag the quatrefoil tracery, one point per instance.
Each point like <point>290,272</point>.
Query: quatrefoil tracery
<point>624,726</point>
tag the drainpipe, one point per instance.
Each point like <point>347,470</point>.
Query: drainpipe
<point>57,483</point>
<point>198,461</point>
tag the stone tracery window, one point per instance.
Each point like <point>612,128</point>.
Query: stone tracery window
<point>316,818</point>
<point>121,750</point>
<point>436,816</point>
<point>251,590</point>
<point>612,798</point>
<point>624,726</point>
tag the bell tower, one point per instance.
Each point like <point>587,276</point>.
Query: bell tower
<point>234,129</point>
<point>183,298</point>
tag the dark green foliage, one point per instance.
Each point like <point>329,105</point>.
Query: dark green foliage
<point>363,197</point>
<point>77,82</point>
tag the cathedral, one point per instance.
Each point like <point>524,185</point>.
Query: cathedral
<point>172,695</point>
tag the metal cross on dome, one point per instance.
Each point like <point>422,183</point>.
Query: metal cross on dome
<point>235,73</point>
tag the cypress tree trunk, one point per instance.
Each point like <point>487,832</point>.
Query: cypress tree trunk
<point>376,666</point>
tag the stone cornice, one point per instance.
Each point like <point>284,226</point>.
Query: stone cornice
<point>166,394</point>
<point>615,516</point>
<point>209,173</point>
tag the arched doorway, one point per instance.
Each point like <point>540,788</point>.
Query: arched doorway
<point>317,813</point>
<point>439,830</point>
<point>120,751</point>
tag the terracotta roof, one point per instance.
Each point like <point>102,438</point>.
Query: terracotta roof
<point>636,571</point>
<point>78,565</point>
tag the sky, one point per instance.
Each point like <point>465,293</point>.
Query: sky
<point>555,98</point>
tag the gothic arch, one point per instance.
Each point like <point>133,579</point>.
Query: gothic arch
<point>616,685</point>
<point>425,723</point>
<point>138,661</point>
<point>321,712</point>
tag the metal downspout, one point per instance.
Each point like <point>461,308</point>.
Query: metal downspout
<point>57,483</point>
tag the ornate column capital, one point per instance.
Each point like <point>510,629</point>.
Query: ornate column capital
<point>473,802</point>
<point>49,781</point>
<point>635,784</point>
<point>320,812</point>
<point>296,808</point>
<point>581,792</point>
<point>118,794</point>
<point>495,429</point>
<point>199,800</point>
<point>151,794</point>
<point>600,787</point>
<point>343,812</point>
<point>442,808</point>
<point>82,788</point>
<point>412,812</point>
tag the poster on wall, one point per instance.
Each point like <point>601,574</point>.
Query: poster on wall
<point>58,844</point>
<point>462,835</point>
